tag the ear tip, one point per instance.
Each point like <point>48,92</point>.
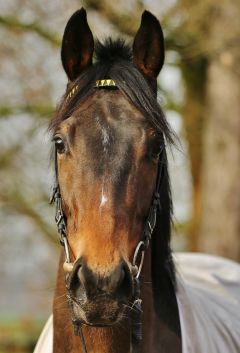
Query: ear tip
<point>79,14</point>
<point>147,13</point>
<point>82,11</point>
<point>148,17</point>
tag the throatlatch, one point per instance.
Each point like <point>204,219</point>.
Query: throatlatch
<point>138,258</point>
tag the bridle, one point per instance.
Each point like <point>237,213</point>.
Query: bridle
<point>138,257</point>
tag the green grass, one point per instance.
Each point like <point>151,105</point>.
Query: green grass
<point>19,335</point>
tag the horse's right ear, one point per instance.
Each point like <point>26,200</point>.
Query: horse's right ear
<point>148,46</point>
<point>77,45</point>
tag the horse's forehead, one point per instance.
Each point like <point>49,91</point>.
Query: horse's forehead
<point>107,135</point>
<point>106,119</point>
<point>111,108</point>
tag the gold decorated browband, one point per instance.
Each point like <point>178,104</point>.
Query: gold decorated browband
<point>105,83</point>
<point>98,84</point>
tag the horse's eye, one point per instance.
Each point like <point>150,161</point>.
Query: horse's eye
<point>59,144</point>
<point>155,154</point>
<point>155,151</point>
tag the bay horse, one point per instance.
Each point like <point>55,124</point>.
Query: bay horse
<point>116,289</point>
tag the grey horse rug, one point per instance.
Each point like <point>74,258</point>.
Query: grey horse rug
<point>208,298</point>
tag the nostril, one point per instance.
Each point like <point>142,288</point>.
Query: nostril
<point>125,286</point>
<point>81,277</point>
<point>122,276</point>
<point>74,278</point>
<point>83,283</point>
<point>86,281</point>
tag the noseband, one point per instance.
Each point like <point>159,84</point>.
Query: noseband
<point>138,257</point>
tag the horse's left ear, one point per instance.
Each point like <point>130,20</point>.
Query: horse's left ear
<point>77,45</point>
<point>148,46</point>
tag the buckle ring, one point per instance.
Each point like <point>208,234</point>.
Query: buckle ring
<point>140,244</point>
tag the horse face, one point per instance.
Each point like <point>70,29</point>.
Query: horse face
<point>107,165</point>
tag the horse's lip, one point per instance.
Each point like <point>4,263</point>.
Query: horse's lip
<point>103,296</point>
<point>94,324</point>
<point>100,324</point>
<point>86,321</point>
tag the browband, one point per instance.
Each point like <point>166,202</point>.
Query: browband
<point>105,83</point>
<point>98,84</point>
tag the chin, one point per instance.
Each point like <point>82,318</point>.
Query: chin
<point>98,314</point>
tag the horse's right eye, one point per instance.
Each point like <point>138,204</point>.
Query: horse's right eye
<point>59,144</point>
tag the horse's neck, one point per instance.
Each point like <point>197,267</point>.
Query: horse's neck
<point>160,318</point>
<point>157,336</point>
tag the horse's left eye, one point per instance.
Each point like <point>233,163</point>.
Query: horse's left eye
<point>155,151</point>
<point>155,155</point>
<point>59,144</point>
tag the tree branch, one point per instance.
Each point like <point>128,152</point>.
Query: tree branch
<point>125,23</point>
<point>15,24</point>
<point>35,109</point>
<point>18,203</point>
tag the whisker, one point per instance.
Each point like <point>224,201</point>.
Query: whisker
<point>60,296</point>
<point>61,304</point>
<point>61,309</point>
<point>132,308</point>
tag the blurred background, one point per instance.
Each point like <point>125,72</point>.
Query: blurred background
<point>200,92</point>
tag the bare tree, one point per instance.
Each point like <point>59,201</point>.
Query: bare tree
<point>207,39</point>
<point>220,215</point>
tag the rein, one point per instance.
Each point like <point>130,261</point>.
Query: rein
<point>138,257</point>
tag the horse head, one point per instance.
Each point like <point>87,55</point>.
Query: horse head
<point>109,134</point>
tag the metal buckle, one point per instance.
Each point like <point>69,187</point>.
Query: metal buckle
<point>135,256</point>
<point>58,217</point>
<point>53,195</point>
<point>67,255</point>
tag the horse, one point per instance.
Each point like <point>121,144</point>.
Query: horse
<point>117,286</point>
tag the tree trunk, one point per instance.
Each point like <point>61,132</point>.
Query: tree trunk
<point>220,215</point>
<point>194,74</point>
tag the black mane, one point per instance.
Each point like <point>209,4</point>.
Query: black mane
<point>111,51</point>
